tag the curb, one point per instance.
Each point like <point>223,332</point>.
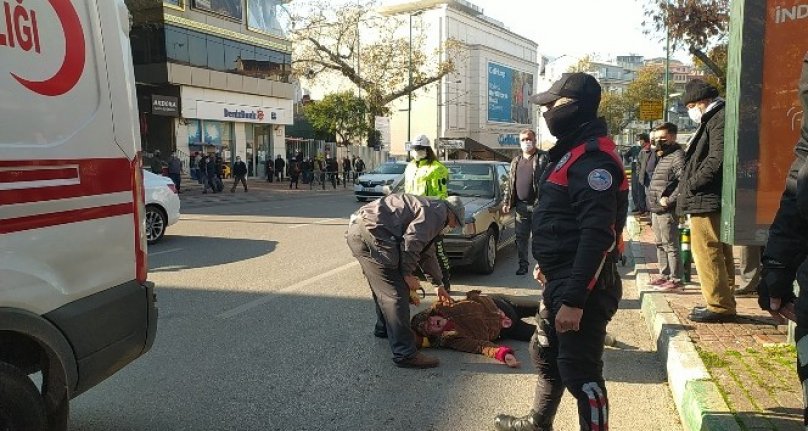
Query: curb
<point>700,405</point>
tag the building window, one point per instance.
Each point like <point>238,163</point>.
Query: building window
<point>198,50</point>
<point>175,3</point>
<point>228,8</point>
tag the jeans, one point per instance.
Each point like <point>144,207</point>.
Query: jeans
<point>666,237</point>
<point>524,219</point>
<point>573,360</point>
<point>239,179</point>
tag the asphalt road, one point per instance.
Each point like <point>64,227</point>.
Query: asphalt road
<point>266,324</point>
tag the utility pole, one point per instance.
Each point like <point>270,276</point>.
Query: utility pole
<point>667,64</point>
<point>409,93</point>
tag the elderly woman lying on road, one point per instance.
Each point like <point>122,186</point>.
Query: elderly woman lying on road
<point>471,325</point>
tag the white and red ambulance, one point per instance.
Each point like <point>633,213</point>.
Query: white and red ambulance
<point>75,306</point>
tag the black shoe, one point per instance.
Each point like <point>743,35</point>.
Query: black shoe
<point>524,423</point>
<point>522,270</point>
<point>379,334</point>
<point>704,315</point>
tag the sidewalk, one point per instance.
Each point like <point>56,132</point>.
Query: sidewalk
<point>724,376</point>
<point>258,190</point>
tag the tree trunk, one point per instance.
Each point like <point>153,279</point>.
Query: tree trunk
<point>714,68</point>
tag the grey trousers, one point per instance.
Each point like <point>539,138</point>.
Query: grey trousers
<point>666,237</point>
<point>524,219</point>
<point>390,294</point>
<point>750,267</point>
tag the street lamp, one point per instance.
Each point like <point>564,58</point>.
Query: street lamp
<point>409,85</point>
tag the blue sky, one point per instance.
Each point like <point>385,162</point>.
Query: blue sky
<point>579,27</point>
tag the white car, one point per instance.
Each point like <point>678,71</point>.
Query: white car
<point>371,184</point>
<point>162,205</point>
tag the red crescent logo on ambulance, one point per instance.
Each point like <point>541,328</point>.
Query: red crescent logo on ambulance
<point>73,65</point>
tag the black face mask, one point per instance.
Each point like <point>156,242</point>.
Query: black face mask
<point>564,119</point>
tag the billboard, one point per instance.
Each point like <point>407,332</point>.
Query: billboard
<point>264,16</point>
<point>229,8</point>
<point>764,115</point>
<point>508,93</point>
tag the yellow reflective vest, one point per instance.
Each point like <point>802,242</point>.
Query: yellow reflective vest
<point>422,178</point>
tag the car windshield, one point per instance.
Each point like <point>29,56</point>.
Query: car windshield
<point>390,169</point>
<point>471,180</point>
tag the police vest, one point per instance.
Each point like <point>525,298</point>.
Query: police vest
<point>426,179</point>
<point>560,172</point>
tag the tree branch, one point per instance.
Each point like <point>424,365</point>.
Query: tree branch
<point>714,68</point>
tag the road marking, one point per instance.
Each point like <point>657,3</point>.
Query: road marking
<point>171,250</point>
<point>298,226</point>
<point>269,297</point>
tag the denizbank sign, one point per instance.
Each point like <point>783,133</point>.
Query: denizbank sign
<point>239,113</point>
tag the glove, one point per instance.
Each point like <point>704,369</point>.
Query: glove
<point>775,283</point>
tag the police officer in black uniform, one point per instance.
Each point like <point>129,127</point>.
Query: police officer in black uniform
<point>785,257</point>
<point>577,223</point>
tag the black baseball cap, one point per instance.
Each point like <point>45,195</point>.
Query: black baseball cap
<point>579,86</point>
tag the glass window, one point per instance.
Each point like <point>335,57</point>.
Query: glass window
<point>263,16</point>
<point>216,53</point>
<point>232,54</point>
<point>228,8</point>
<point>198,51</point>
<point>177,3</point>
<point>177,45</point>
<point>471,180</point>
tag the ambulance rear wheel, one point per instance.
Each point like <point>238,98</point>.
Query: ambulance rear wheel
<point>21,405</point>
<point>156,223</point>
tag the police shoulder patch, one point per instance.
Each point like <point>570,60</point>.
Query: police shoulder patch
<point>600,179</point>
<point>563,161</point>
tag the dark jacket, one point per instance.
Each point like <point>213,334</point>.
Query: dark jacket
<point>787,246</point>
<point>210,168</point>
<point>642,165</point>
<point>539,163</point>
<point>665,179</point>
<point>346,164</point>
<point>581,211</point>
<point>700,185</point>
<point>279,164</point>
<point>240,169</point>
<point>360,166</point>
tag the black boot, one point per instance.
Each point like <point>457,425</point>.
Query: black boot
<point>524,423</point>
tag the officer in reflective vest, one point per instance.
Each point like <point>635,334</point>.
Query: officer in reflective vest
<point>426,176</point>
<point>577,222</point>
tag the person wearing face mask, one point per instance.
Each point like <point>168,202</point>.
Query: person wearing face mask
<point>577,223</point>
<point>662,194</point>
<point>391,238</point>
<point>700,199</point>
<point>521,192</point>
<point>426,176</point>
<point>239,174</point>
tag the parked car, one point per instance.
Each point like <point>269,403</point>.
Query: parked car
<point>371,184</point>
<point>481,186</point>
<point>162,205</point>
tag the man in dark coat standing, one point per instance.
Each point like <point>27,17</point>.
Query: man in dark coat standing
<point>700,198</point>
<point>279,167</point>
<point>239,174</point>
<point>785,257</point>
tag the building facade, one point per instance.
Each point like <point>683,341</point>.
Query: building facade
<point>484,101</point>
<point>213,76</point>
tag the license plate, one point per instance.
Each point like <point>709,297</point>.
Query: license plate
<point>369,189</point>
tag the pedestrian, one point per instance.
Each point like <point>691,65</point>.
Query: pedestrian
<point>473,325</point>
<point>353,167</point>
<point>175,170</point>
<point>391,237</point>
<point>359,167</point>
<point>269,167</point>
<point>426,176</point>
<point>669,160</point>
<point>201,176</point>
<point>751,256</point>
<point>346,171</point>
<point>577,223</point>
<point>211,175</point>
<point>332,170</point>
<point>293,169</point>
<point>280,165</point>
<point>156,163</point>
<point>521,193</point>
<point>700,198</point>
<point>239,174</point>
<point>639,181</point>
<point>193,163</point>
<point>785,257</point>
<point>307,166</point>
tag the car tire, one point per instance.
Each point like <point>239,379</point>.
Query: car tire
<point>156,223</point>
<point>488,258</point>
<point>21,405</point>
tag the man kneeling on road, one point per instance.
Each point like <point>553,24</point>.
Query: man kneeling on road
<point>391,237</point>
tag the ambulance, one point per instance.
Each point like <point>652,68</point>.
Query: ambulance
<point>75,304</point>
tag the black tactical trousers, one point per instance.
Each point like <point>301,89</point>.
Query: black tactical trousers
<point>574,360</point>
<point>801,334</point>
<point>443,260</point>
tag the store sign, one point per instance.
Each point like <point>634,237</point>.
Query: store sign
<point>240,114</point>
<point>165,105</point>
<point>508,94</point>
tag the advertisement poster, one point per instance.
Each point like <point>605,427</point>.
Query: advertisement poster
<point>781,116</point>
<point>229,8</point>
<point>264,16</point>
<point>508,94</point>
<point>194,133</point>
<point>213,133</point>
